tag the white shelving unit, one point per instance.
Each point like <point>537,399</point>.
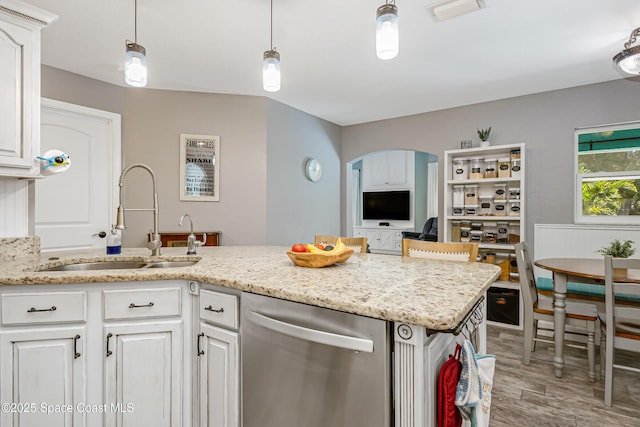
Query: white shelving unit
<point>513,220</point>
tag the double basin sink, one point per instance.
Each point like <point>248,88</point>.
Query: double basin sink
<point>117,265</point>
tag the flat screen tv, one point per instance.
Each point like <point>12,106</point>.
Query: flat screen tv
<point>392,205</point>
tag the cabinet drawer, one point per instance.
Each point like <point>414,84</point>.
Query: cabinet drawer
<point>221,309</point>
<point>49,307</point>
<point>141,303</point>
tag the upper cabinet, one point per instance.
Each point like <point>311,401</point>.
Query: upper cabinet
<point>20,26</point>
<point>388,170</point>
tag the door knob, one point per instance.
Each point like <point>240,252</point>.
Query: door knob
<point>101,234</point>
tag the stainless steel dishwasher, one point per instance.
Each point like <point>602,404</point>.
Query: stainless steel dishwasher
<point>304,366</point>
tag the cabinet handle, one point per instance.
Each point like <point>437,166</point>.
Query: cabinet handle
<point>219,310</point>
<point>200,352</point>
<point>109,352</point>
<point>75,347</point>
<point>37,310</point>
<point>132,305</point>
<point>215,310</point>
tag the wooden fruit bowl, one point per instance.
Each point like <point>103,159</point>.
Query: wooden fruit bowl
<point>307,259</point>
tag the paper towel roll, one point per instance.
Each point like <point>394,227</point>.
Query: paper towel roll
<point>53,162</point>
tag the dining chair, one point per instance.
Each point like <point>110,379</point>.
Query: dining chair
<point>358,244</point>
<point>620,324</point>
<point>583,317</point>
<point>449,251</point>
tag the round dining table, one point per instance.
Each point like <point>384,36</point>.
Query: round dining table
<point>584,270</point>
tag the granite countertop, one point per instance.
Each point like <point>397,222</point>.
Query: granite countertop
<point>433,294</point>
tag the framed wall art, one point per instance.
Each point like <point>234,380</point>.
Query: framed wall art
<point>199,168</point>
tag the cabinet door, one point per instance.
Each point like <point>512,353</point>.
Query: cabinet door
<point>143,374</point>
<point>373,238</point>
<point>16,49</point>
<point>396,167</point>
<point>219,377</point>
<point>377,169</point>
<point>43,371</point>
<point>387,239</point>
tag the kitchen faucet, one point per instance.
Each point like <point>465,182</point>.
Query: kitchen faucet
<point>192,241</point>
<point>155,243</point>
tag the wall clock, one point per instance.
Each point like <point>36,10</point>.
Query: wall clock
<point>313,170</point>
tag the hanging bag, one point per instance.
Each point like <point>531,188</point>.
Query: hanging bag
<point>448,413</point>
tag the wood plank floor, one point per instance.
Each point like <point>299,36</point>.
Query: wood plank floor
<point>531,395</point>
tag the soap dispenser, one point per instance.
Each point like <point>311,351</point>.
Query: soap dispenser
<point>114,242</point>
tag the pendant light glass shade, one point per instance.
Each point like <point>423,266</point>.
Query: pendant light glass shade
<point>628,60</point>
<point>135,65</point>
<point>387,38</point>
<point>271,71</point>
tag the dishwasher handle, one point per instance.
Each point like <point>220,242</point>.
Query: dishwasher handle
<point>314,335</point>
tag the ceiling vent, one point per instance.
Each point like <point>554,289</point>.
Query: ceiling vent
<point>448,9</point>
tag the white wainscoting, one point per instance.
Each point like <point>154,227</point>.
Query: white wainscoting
<point>578,241</point>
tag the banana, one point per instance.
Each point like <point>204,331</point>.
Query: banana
<point>315,250</point>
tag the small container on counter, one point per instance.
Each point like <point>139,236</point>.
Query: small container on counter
<point>500,192</point>
<point>471,195</point>
<point>499,207</point>
<point>475,236</point>
<point>503,233</point>
<point>514,193</point>
<point>504,167</point>
<point>515,167</point>
<point>490,232</point>
<point>475,168</point>
<point>471,209</point>
<point>514,207</point>
<point>457,210</point>
<point>455,231</point>
<point>460,170</point>
<point>490,168</point>
<point>465,234</point>
<point>486,205</point>
<point>458,195</point>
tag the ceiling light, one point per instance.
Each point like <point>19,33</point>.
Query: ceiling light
<point>271,64</point>
<point>387,38</point>
<point>628,60</point>
<point>443,10</point>
<point>135,63</point>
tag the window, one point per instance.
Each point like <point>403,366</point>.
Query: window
<point>608,174</point>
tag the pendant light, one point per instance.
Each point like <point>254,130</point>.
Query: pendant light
<point>271,64</point>
<point>135,63</point>
<point>387,40</point>
<point>628,60</point>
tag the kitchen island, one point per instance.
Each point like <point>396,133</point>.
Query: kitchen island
<point>417,297</point>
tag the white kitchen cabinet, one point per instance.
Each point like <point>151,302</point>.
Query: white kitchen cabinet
<point>388,170</point>
<point>382,240</point>
<point>43,357</point>
<point>20,26</point>
<point>143,374</point>
<point>219,379</point>
<point>218,360</point>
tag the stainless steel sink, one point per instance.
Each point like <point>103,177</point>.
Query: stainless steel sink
<point>118,265</point>
<point>169,264</point>
<point>98,265</point>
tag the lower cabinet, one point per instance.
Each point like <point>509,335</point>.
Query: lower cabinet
<point>383,240</point>
<point>43,376</point>
<point>143,374</point>
<point>218,355</point>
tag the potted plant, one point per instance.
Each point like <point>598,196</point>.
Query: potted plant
<point>618,249</point>
<point>484,136</point>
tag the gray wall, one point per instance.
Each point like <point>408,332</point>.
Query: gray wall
<point>544,122</point>
<point>261,163</point>
<point>298,208</point>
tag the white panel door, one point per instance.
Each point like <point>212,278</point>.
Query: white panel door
<point>72,208</point>
<point>43,367</point>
